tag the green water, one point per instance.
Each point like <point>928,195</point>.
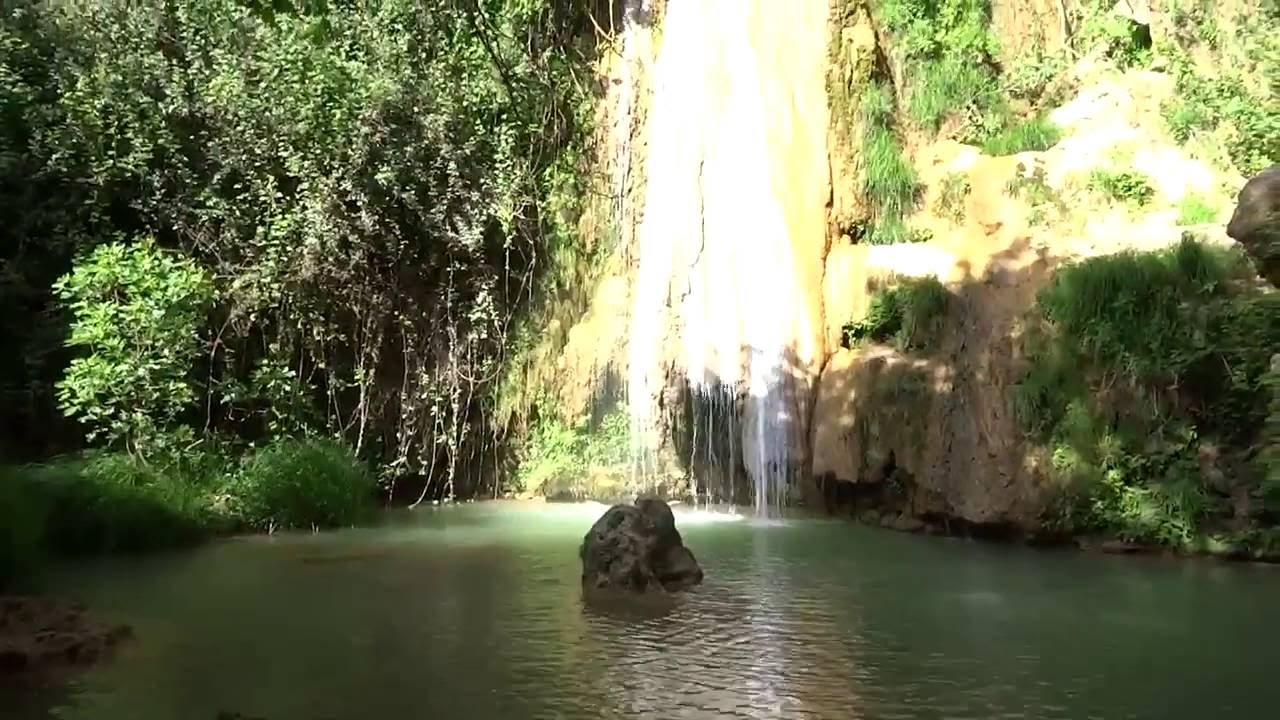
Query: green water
<point>475,612</point>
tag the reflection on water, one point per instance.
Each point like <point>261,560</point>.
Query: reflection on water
<point>475,612</point>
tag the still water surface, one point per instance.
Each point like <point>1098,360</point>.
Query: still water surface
<point>475,612</point>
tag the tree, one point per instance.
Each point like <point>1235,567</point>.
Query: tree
<point>137,310</point>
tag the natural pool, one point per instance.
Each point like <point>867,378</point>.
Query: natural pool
<point>475,612</point>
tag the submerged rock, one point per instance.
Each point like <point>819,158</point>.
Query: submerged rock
<point>1256,222</point>
<point>637,548</point>
<point>40,634</point>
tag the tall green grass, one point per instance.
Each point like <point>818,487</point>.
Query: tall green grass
<point>107,502</point>
<point>949,85</point>
<point>22,518</point>
<point>1034,134</point>
<point>909,315</point>
<point>889,181</point>
<point>1142,357</point>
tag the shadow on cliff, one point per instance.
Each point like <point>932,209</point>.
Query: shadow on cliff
<point>927,439</point>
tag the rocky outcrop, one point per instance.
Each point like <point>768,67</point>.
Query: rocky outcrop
<point>1256,222</point>
<point>41,634</point>
<point>637,548</point>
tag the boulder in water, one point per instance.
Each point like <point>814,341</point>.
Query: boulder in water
<point>637,548</point>
<point>43,634</point>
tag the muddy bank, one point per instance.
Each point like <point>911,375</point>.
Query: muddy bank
<point>40,636</point>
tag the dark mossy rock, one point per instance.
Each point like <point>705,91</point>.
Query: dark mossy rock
<point>637,548</point>
<point>1256,222</point>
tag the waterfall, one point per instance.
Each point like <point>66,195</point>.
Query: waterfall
<point>732,232</point>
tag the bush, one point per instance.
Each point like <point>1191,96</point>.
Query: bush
<point>948,48</point>
<point>1123,185</point>
<point>137,310</point>
<point>1035,134</point>
<point>302,484</point>
<point>1141,357</point>
<point>1195,210</point>
<point>909,315</point>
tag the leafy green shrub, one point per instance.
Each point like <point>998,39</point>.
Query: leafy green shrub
<point>137,311</point>
<point>1141,356</point>
<point>1031,77</point>
<point>1123,41</point>
<point>1234,102</point>
<point>1034,134</point>
<point>1123,185</point>
<point>302,484</point>
<point>909,314</point>
<point>949,86</point>
<point>1251,123</point>
<point>1195,210</point>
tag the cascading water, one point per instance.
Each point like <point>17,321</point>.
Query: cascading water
<point>731,238</point>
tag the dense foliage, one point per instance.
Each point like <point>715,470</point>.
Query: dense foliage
<point>556,454</point>
<point>348,204</point>
<point>1149,381</point>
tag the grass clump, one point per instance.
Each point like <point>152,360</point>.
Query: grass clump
<point>1196,210</point>
<point>112,502</point>
<point>889,182</point>
<point>102,503</point>
<point>1123,185</point>
<point>1141,361</point>
<point>301,484</point>
<point>1035,134</point>
<point>909,315</point>
<point>955,189</point>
